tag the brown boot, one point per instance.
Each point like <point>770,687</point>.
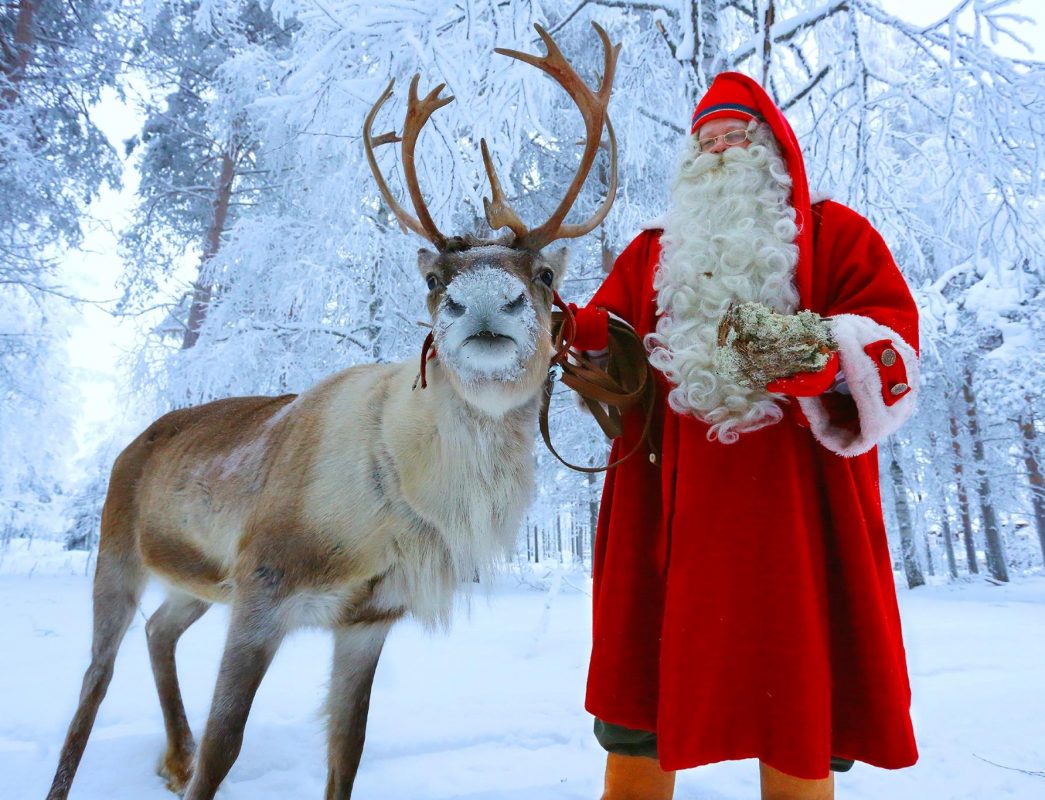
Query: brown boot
<point>637,778</point>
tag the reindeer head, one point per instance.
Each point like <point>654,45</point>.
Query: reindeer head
<point>491,299</point>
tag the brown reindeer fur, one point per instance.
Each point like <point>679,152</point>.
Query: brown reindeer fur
<point>348,506</point>
<point>354,503</point>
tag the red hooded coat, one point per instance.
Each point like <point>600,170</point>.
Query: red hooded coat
<point>744,604</point>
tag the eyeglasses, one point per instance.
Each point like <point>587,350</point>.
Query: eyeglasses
<point>732,138</point>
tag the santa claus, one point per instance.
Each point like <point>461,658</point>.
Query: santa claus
<point>744,604</point>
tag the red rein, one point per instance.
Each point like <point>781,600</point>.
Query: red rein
<point>427,352</point>
<point>567,333</point>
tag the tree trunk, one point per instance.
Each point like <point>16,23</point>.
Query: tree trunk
<point>1034,476</point>
<point>700,48</point>
<point>18,54</point>
<point>948,542</point>
<point>945,518</point>
<point>202,290</point>
<point>593,511</point>
<point>995,547</point>
<point>767,41</point>
<point>608,254</point>
<point>376,306</point>
<point>963,499</point>
<point>708,35</point>
<point>908,549</point>
<point>558,534</point>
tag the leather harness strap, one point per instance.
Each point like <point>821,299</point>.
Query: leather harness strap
<point>627,380</point>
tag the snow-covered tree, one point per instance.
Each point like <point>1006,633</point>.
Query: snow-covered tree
<point>198,165</point>
<point>56,58</point>
<point>927,130</point>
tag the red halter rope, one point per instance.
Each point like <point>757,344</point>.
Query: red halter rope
<point>427,352</point>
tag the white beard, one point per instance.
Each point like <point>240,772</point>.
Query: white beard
<point>729,237</point>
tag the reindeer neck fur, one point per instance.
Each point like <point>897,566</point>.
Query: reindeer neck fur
<point>427,488</point>
<point>468,486</point>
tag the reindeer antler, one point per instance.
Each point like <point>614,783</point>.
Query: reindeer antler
<point>417,114</point>
<point>594,110</point>
<point>498,213</point>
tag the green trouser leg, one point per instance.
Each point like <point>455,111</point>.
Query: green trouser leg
<point>630,742</point>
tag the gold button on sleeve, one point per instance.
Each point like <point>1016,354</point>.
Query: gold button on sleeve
<point>898,389</point>
<point>888,357</point>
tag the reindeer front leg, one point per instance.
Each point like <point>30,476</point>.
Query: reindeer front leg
<point>255,632</point>
<point>357,648</point>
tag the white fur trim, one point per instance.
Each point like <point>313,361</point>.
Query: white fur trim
<point>819,197</point>
<point>655,224</point>
<point>877,420</point>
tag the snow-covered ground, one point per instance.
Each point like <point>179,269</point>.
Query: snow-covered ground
<point>492,711</point>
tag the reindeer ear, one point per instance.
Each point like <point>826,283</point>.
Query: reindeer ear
<point>556,262</point>
<point>427,261</point>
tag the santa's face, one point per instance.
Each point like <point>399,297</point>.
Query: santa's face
<point>721,134</point>
<point>729,237</point>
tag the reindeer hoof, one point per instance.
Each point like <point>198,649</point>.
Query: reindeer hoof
<point>176,771</point>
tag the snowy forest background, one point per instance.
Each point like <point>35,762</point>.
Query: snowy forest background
<point>258,257</point>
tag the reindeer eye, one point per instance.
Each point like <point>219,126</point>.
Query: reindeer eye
<point>546,276</point>
<point>432,281</point>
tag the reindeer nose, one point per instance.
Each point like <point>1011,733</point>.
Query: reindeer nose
<point>454,308</point>
<point>515,306</point>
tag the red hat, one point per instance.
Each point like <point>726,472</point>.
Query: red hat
<point>732,94</point>
<point>725,98</point>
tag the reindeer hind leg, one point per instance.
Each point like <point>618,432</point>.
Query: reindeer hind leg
<point>164,629</point>
<point>118,583</point>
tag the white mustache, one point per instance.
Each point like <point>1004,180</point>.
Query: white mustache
<point>707,163</point>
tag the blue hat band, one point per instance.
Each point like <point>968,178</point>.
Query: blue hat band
<point>726,107</point>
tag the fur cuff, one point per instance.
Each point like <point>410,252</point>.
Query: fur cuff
<point>882,372</point>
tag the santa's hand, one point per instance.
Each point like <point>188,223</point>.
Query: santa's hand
<point>807,384</point>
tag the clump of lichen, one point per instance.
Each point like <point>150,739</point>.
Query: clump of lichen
<point>757,345</point>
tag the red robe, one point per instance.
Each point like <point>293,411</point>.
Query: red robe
<point>744,604</point>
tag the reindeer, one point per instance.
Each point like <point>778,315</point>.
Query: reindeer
<point>355,503</point>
